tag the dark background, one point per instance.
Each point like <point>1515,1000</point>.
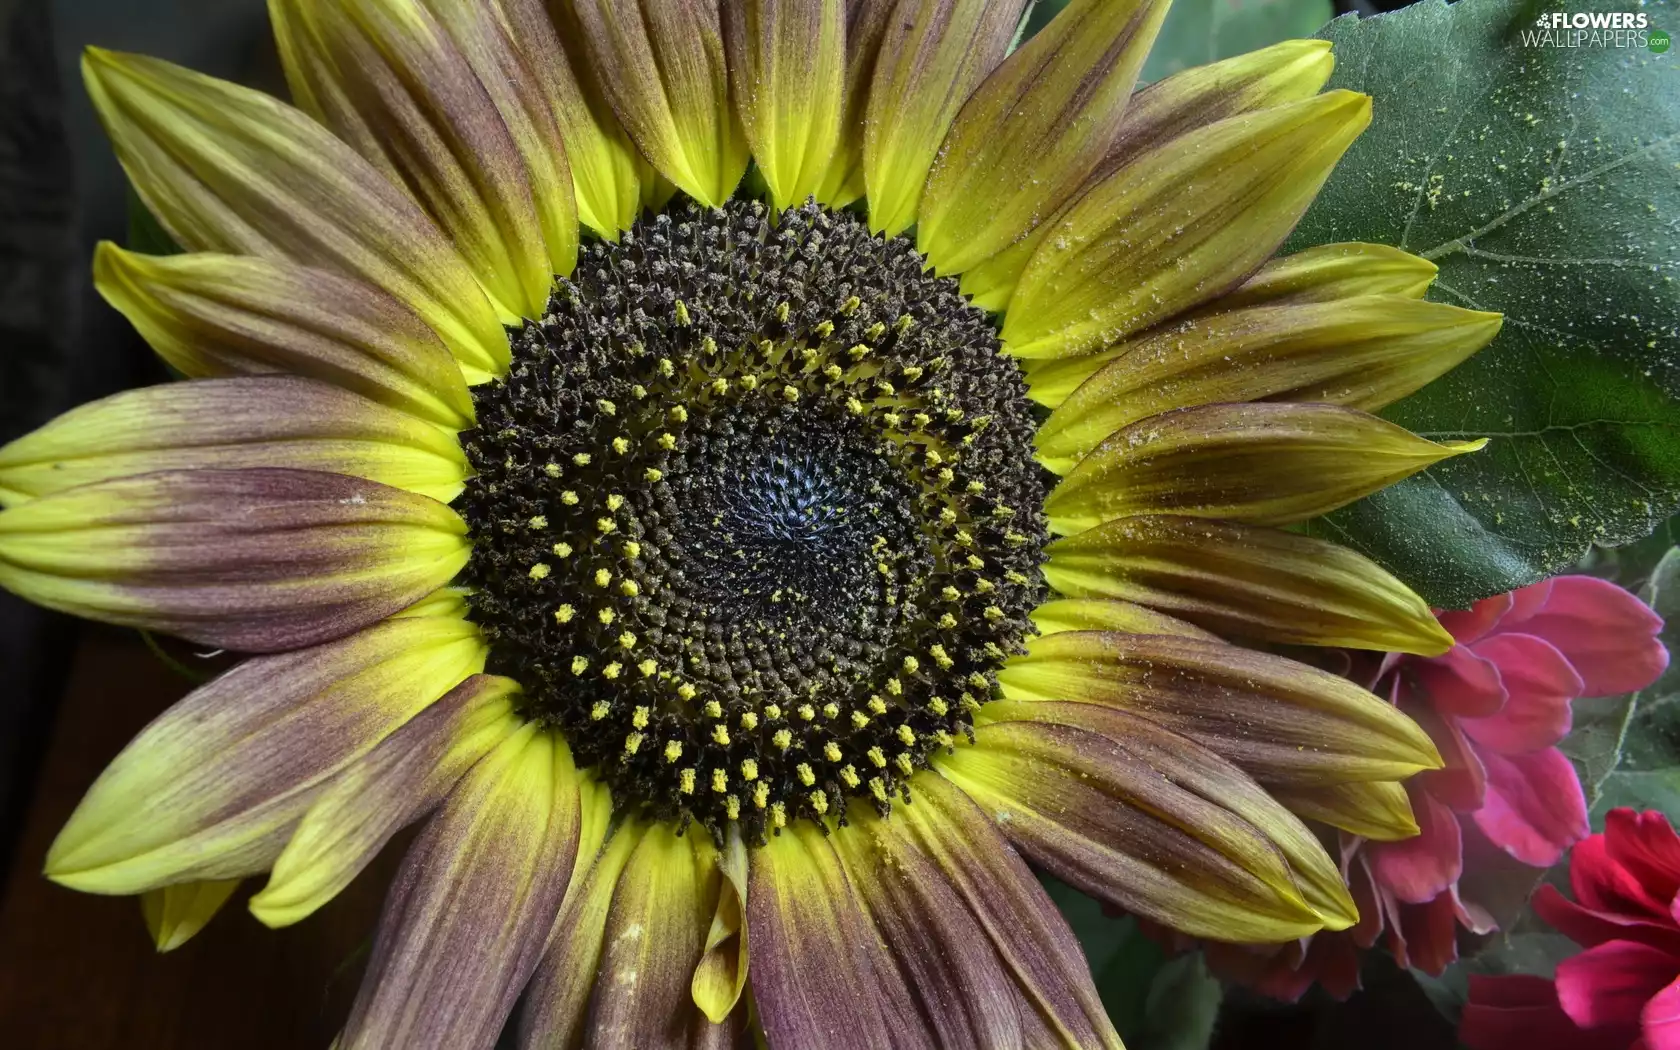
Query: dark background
<point>78,972</point>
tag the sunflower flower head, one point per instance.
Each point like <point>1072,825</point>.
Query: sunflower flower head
<point>747,479</point>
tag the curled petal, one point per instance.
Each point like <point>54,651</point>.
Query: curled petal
<point>1609,984</point>
<point>1263,464</point>
<point>1459,683</point>
<point>932,56</point>
<point>1258,582</point>
<point>1645,848</point>
<point>175,913</point>
<point>1177,226</point>
<point>787,61</point>
<point>223,315</point>
<point>267,421</point>
<point>1113,818</point>
<point>227,169</point>
<point>663,69</point>
<point>1364,353</point>
<point>464,922</point>
<point>1280,721</point>
<point>438,109</point>
<point>401,779</point>
<point>1589,927</point>
<point>1287,72</point>
<point>214,786</point>
<point>1378,809</point>
<point>259,560</point>
<point>1100,614</point>
<point>1027,138</point>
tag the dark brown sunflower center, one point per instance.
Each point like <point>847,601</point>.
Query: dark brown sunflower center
<point>755,518</point>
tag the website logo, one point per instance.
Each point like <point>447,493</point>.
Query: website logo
<point>1595,29</point>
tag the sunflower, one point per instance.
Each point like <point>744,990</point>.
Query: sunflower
<point>747,482</point>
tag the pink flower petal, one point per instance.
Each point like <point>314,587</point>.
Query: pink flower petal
<point>1590,928</point>
<point>1646,847</point>
<point>1462,781</point>
<point>1608,634</point>
<point>1467,625</point>
<point>1458,682</point>
<point>1418,869</point>
<point>1610,984</point>
<point>1521,1012</point>
<point>1525,602</point>
<point>1539,687</point>
<point>1659,1022</point>
<point>1534,809</point>
<point>1432,933</point>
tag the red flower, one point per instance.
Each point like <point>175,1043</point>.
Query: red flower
<point>1623,991</point>
<point>1496,705</point>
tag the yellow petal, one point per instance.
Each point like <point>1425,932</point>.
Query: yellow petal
<point>1287,72</point>
<point>217,315</point>
<point>214,786</point>
<point>174,914</point>
<point>866,24</point>
<point>787,64</point>
<point>1034,130</point>
<point>407,775</point>
<point>933,54</point>
<point>1263,464</point>
<point>257,421</point>
<point>1104,614</point>
<point>662,67</point>
<point>721,975</point>
<point>1378,810</point>
<point>1177,226</point>
<point>227,169</point>
<point>1247,581</point>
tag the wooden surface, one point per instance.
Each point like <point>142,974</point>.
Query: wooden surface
<point>78,972</point>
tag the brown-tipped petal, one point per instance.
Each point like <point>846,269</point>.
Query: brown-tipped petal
<point>228,169</point>
<point>1099,814</point>
<point>1205,773</point>
<point>174,914</point>
<point>662,67</point>
<point>1364,353</point>
<point>932,56</point>
<point>465,919</point>
<point>1263,464</point>
<point>1101,614</point>
<point>1378,810</point>
<point>403,778</point>
<point>1178,226</point>
<point>258,560</point>
<point>221,315</point>
<point>787,64</point>
<point>609,176</point>
<point>654,936</point>
<point>267,421</point>
<point>1249,581</point>
<point>866,24</point>
<point>963,994</point>
<point>213,787</point>
<point>1033,131</point>
<point>1059,1006</point>
<point>556,1007</point>
<point>818,976</point>
<point>1287,72</point>
<point>420,97</point>
<point>1280,721</point>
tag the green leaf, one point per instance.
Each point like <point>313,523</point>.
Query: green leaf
<point>1542,182</point>
<point>1627,748</point>
<point>1201,31</point>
